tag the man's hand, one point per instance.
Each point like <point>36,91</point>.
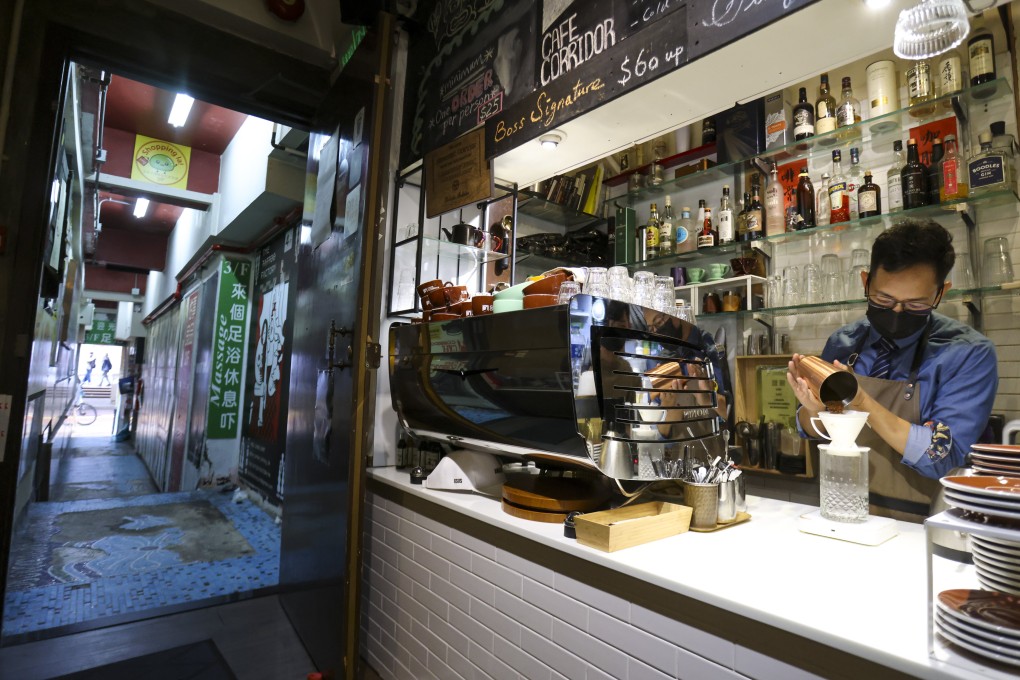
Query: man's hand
<point>800,387</point>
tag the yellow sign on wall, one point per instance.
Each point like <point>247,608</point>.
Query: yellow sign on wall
<point>159,162</point>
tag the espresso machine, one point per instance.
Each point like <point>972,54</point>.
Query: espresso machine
<point>596,384</point>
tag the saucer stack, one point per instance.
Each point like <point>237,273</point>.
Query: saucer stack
<point>997,562</point>
<point>996,459</point>
<point>982,622</point>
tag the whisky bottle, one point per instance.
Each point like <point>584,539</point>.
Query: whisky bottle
<point>894,190</point>
<point>839,200</point>
<point>948,76</point>
<point>825,108</point>
<point>755,223</point>
<point>954,184</point>
<point>725,219</point>
<point>745,202</point>
<point>806,199</point>
<point>667,229</point>
<point>934,178</point>
<point>803,117</point>
<point>849,111</point>
<point>708,237</point>
<point>652,234</point>
<point>914,179</point>
<point>869,197</point>
<point>919,89</point>
<point>981,50</point>
<point>775,205</point>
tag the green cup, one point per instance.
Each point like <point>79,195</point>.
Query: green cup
<point>695,274</point>
<point>717,270</point>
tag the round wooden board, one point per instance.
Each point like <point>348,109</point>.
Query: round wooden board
<point>533,515</point>
<point>555,494</point>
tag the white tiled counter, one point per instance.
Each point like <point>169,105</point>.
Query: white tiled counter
<point>455,588</point>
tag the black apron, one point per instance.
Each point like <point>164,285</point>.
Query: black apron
<point>895,490</point>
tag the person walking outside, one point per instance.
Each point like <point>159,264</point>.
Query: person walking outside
<point>107,367</point>
<point>89,366</point>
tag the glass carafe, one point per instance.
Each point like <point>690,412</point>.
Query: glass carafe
<point>844,482</point>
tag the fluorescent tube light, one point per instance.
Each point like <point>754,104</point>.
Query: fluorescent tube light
<point>141,205</point>
<point>180,110</point>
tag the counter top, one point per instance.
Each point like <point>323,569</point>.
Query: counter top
<point>867,601</point>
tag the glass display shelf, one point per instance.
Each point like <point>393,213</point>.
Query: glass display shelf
<point>878,132</point>
<point>533,205</point>
<point>433,247</point>
<point>735,249</point>
<point>542,263</point>
<point>716,284</point>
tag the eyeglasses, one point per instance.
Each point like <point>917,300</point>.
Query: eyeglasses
<point>910,306</point>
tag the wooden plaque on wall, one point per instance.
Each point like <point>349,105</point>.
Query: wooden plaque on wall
<point>457,174</point>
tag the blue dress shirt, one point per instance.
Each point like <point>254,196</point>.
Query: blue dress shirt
<point>957,381</point>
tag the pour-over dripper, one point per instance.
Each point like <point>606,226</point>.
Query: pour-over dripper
<point>842,428</point>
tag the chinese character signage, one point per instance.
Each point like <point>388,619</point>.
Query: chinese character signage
<point>228,349</point>
<point>102,333</point>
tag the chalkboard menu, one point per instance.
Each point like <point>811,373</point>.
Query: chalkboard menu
<point>486,62</point>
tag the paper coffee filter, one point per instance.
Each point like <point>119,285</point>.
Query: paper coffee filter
<point>843,428</point>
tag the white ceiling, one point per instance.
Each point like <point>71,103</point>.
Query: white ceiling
<point>820,37</point>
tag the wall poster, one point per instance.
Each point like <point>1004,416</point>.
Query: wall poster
<point>266,393</point>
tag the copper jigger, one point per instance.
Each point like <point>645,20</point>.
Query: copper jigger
<point>828,382</point>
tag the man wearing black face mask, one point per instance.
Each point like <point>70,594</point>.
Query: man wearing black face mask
<point>927,381</point>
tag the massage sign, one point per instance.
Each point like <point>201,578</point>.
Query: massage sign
<point>160,162</point>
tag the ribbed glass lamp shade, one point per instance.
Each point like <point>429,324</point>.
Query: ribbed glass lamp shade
<point>930,28</point>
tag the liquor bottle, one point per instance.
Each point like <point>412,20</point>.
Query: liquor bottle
<point>839,201</point>
<point>755,223</point>
<point>849,111</point>
<point>1001,141</point>
<point>806,199</point>
<point>775,205</point>
<point>854,180</point>
<point>686,235</point>
<point>701,213</point>
<point>934,178</point>
<point>914,179</point>
<point>894,189</point>
<point>724,232</point>
<point>948,76</point>
<point>954,184</point>
<point>667,229</point>
<point>803,117</point>
<point>708,237</point>
<point>742,217</point>
<point>652,234</point>
<point>869,197</point>
<point>919,89</point>
<point>822,202</point>
<point>981,50</point>
<point>990,169</point>
<point>825,108</point>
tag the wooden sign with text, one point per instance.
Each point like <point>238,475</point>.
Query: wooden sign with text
<point>457,174</point>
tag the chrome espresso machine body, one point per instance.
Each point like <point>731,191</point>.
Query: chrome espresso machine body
<point>597,384</point>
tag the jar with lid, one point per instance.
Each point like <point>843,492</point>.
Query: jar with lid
<point>732,302</point>
<point>919,89</point>
<point>711,303</point>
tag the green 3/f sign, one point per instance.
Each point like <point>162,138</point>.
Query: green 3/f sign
<point>228,349</point>
<point>102,333</point>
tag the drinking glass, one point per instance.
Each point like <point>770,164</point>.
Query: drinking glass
<point>996,266</point>
<point>962,276</point>
<point>831,264</point>
<point>854,287</point>
<point>860,257</point>
<point>812,289</point>
<point>568,289</point>
<point>597,283</point>
<point>663,296</point>
<point>684,312</point>
<point>620,285</point>
<point>832,287</point>
<point>774,291</point>
<point>644,286</point>
<point>791,285</point>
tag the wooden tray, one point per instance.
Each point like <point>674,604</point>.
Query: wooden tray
<point>740,519</point>
<point>557,494</point>
<point>632,525</point>
<point>533,515</point>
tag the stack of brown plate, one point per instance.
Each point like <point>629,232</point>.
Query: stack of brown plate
<point>990,496</point>
<point>981,622</point>
<point>997,562</point>
<point>996,459</point>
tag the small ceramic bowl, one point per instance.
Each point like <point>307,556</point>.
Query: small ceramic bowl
<point>539,300</point>
<point>550,285</point>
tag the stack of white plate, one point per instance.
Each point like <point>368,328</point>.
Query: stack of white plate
<point>996,459</point>
<point>997,562</point>
<point>985,623</point>
<point>991,496</point>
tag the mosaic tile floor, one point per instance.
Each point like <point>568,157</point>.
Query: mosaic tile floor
<point>107,544</point>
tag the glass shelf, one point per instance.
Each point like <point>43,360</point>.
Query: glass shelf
<point>954,295</point>
<point>879,132</point>
<point>737,248</point>
<point>533,205</point>
<point>448,249</point>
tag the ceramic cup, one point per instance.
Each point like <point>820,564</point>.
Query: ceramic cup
<point>695,274</point>
<point>679,275</point>
<point>481,304</point>
<point>717,270</point>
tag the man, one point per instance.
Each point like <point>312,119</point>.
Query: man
<point>89,366</point>
<point>927,381</point>
<point>107,367</point>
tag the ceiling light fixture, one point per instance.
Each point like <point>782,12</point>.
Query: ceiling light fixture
<point>877,4</point>
<point>930,28</point>
<point>180,110</point>
<point>141,205</point>
<point>551,140</point>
